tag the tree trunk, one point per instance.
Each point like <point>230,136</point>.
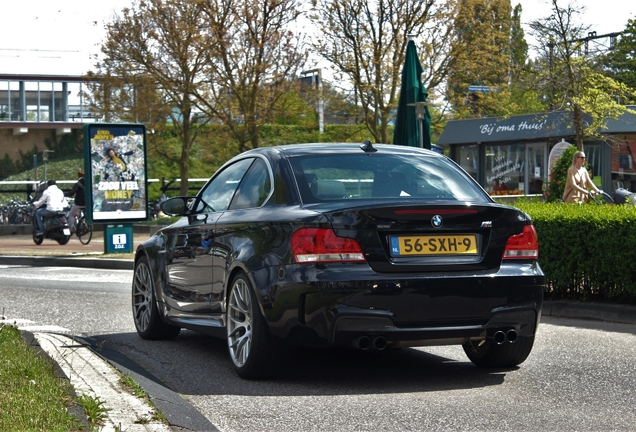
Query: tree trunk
<point>577,118</point>
<point>184,170</point>
<point>186,145</point>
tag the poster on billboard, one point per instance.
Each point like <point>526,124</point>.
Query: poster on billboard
<point>115,166</point>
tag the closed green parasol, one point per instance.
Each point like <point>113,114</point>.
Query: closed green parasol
<point>413,121</point>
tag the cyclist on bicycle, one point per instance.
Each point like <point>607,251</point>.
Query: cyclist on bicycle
<point>80,200</point>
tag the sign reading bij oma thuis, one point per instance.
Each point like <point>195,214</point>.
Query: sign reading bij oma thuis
<point>115,172</point>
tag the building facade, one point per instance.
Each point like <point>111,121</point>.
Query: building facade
<point>510,156</point>
<point>32,107</point>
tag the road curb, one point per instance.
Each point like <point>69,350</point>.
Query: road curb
<point>75,408</point>
<point>624,314</point>
<point>45,261</point>
<point>180,413</point>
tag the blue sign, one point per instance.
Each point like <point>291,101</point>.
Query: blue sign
<point>118,238</point>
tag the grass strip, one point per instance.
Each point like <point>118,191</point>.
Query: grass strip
<point>32,398</point>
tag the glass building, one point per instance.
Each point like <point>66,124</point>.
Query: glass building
<point>32,99</point>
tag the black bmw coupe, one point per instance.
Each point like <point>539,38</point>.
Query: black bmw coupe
<point>358,245</point>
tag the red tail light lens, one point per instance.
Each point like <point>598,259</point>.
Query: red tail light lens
<point>524,245</point>
<point>317,245</point>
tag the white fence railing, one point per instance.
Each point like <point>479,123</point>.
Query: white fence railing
<point>166,184</point>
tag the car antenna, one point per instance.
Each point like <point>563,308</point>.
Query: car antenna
<point>367,146</point>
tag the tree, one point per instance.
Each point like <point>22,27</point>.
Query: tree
<point>152,67</point>
<point>365,42</point>
<point>339,105</point>
<point>485,56</point>
<point>573,82</point>
<point>621,60</point>
<point>181,64</point>
<point>252,61</point>
<point>522,94</point>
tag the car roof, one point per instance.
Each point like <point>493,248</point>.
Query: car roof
<point>294,150</point>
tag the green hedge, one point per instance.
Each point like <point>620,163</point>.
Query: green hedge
<point>587,252</point>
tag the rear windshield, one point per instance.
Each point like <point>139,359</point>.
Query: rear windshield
<point>362,176</point>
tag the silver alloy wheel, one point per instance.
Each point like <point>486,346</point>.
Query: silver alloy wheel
<point>239,323</point>
<point>142,296</point>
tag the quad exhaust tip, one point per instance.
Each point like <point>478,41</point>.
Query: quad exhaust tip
<point>379,343</point>
<point>500,337</point>
<point>365,343</point>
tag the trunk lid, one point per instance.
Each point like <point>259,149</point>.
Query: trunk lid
<point>438,236</point>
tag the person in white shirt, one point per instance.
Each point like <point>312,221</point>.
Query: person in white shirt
<point>51,202</point>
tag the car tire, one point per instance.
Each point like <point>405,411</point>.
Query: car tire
<point>250,348</point>
<point>145,312</point>
<point>489,354</point>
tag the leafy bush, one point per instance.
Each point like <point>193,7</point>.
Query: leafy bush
<point>587,252</point>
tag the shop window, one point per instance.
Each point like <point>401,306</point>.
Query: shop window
<point>594,162</point>
<point>505,165</point>
<point>468,158</point>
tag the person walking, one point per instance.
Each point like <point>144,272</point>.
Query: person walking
<point>78,192</point>
<point>578,180</point>
<point>51,202</point>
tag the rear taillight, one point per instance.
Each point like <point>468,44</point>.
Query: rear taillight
<point>316,245</point>
<point>524,245</point>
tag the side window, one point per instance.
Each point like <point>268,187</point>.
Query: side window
<point>218,194</point>
<point>255,187</point>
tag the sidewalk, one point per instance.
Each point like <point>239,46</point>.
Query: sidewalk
<point>19,249</point>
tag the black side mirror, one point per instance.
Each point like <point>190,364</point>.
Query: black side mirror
<point>177,206</point>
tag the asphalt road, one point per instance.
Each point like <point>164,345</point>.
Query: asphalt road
<point>580,375</point>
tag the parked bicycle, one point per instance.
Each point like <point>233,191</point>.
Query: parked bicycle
<point>83,229</point>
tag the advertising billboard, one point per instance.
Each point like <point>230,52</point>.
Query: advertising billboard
<point>116,172</point>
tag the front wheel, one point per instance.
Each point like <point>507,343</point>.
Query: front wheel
<point>249,346</point>
<point>489,354</point>
<point>145,312</point>
<point>84,231</point>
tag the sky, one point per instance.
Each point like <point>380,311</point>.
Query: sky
<point>60,37</point>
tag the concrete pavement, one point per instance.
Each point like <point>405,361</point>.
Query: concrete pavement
<point>18,249</point>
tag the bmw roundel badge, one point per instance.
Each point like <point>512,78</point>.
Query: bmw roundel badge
<point>437,221</point>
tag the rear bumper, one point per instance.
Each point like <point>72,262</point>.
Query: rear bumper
<point>412,310</point>
<point>349,328</point>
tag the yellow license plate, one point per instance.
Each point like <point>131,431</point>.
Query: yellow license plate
<point>461,244</point>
